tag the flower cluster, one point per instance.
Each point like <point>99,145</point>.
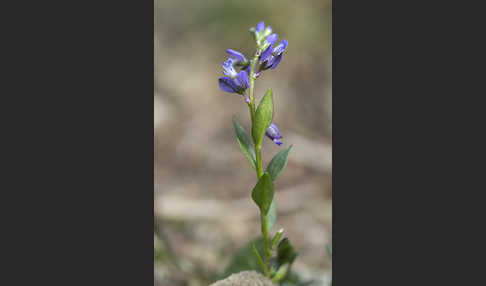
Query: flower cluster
<point>269,57</point>
<point>272,55</point>
<point>234,82</point>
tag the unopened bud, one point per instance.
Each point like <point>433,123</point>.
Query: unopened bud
<point>277,237</point>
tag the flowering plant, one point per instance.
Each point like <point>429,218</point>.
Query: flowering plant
<point>278,254</point>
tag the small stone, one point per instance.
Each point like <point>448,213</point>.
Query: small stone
<point>245,278</point>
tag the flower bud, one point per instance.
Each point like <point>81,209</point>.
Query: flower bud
<point>274,134</point>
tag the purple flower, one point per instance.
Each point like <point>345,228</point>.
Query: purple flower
<point>241,80</point>
<point>271,39</point>
<point>272,56</point>
<point>236,56</point>
<point>266,54</point>
<point>261,31</point>
<point>281,47</point>
<point>228,68</point>
<point>260,27</point>
<point>274,61</point>
<point>233,81</point>
<point>274,134</point>
<point>238,84</point>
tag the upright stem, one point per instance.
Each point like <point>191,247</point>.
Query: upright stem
<point>259,167</point>
<point>252,106</point>
<point>253,64</point>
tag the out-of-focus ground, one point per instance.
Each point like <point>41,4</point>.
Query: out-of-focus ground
<point>203,209</point>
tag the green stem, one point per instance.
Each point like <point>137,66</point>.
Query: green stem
<point>253,64</point>
<point>252,106</point>
<point>259,165</point>
<point>266,249</point>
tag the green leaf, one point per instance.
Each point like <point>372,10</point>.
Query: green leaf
<point>262,193</point>
<point>244,259</point>
<point>285,252</point>
<point>278,163</point>
<point>244,142</point>
<point>281,272</point>
<point>272,215</point>
<point>263,117</point>
<point>258,257</point>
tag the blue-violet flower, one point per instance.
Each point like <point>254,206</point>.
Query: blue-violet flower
<point>270,40</point>
<point>238,84</point>
<point>237,57</point>
<point>274,134</point>
<point>229,69</point>
<point>271,57</point>
<point>261,32</point>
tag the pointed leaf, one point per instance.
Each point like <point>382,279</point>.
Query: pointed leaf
<point>281,272</point>
<point>262,193</point>
<point>278,163</point>
<point>244,142</point>
<point>263,117</point>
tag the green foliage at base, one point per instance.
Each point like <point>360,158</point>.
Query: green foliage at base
<point>244,260</point>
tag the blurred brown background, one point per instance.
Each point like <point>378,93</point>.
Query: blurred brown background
<point>203,209</point>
